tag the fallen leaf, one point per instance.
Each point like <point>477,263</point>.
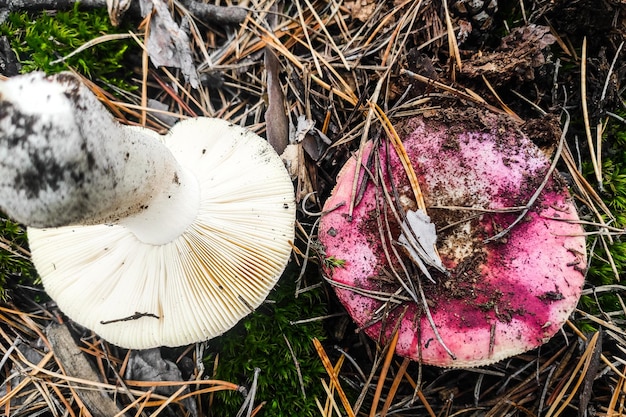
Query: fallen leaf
<point>149,365</point>
<point>168,44</point>
<point>361,9</point>
<point>419,239</point>
<point>275,116</point>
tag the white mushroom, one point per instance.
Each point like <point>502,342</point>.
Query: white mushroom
<point>146,240</point>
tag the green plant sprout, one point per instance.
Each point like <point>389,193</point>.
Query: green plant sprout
<point>332,262</point>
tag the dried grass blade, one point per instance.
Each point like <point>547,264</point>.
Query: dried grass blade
<point>506,108</point>
<point>453,46</point>
<point>333,377</point>
<point>328,35</point>
<point>617,393</point>
<point>93,42</point>
<point>391,349</point>
<point>583,363</point>
<point>583,93</point>
<point>394,386</point>
<point>404,158</point>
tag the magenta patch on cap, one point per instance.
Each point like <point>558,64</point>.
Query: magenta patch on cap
<point>501,297</point>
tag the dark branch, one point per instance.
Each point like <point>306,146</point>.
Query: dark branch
<point>204,12</point>
<point>216,14</point>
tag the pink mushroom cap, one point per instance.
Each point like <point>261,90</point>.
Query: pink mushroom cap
<point>501,297</point>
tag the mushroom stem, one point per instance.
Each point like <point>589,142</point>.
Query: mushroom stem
<point>64,160</point>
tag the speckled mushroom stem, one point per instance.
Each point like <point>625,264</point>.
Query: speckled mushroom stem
<point>64,160</point>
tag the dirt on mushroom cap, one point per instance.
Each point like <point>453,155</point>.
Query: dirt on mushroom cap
<point>502,297</point>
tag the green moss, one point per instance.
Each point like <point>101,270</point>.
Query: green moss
<point>40,40</point>
<point>15,268</point>
<point>259,342</point>
<point>614,195</point>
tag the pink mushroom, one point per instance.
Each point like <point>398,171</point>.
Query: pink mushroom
<point>498,298</point>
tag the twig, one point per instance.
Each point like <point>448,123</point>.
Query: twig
<point>608,75</point>
<point>297,365</point>
<point>206,12</point>
<point>76,365</point>
<point>217,14</point>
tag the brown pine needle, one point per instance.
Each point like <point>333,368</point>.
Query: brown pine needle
<point>618,393</point>
<point>394,386</point>
<point>333,377</point>
<point>330,38</point>
<point>404,158</point>
<point>502,104</point>
<point>453,46</point>
<point>604,359</point>
<point>391,350</point>
<point>583,363</point>
<point>583,92</point>
<point>330,392</point>
<point>331,402</point>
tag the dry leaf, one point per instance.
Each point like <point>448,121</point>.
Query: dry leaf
<point>149,365</point>
<point>168,44</point>
<point>275,116</point>
<point>419,239</point>
<point>515,59</point>
<point>361,9</point>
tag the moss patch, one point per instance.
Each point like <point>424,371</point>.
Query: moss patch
<point>41,40</point>
<point>260,341</point>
